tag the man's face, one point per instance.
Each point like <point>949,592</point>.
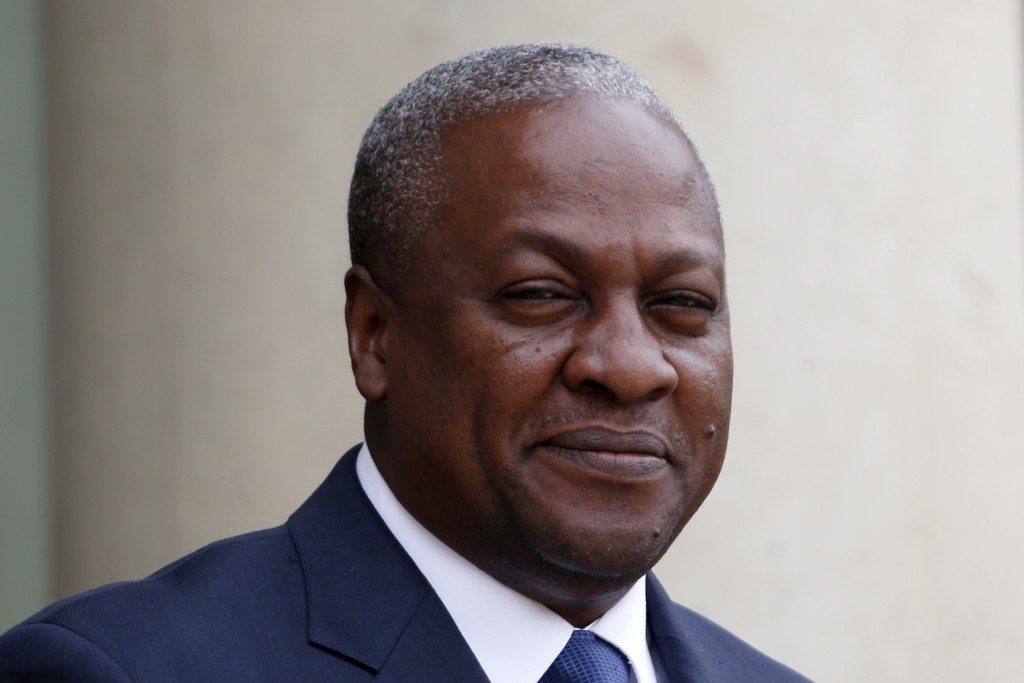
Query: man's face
<point>558,361</point>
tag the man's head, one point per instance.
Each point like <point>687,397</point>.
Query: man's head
<point>538,321</point>
<point>396,188</point>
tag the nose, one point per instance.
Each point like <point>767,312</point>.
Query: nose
<point>617,355</point>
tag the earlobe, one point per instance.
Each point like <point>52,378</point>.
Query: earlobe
<point>366,319</point>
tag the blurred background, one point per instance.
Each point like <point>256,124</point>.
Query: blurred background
<point>173,368</point>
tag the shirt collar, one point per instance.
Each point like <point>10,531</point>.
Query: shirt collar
<point>514,638</point>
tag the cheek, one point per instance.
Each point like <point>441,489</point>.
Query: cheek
<point>703,403</point>
<point>512,386</point>
<point>476,378</point>
<point>705,378</point>
<point>510,362</point>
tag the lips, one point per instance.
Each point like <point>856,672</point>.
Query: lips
<point>607,452</point>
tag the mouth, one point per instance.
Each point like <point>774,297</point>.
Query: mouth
<point>601,451</point>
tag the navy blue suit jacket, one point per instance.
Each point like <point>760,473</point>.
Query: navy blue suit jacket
<point>329,596</point>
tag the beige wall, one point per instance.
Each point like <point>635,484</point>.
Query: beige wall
<point>868,158</point>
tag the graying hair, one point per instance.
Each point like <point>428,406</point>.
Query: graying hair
<point>396,188</point>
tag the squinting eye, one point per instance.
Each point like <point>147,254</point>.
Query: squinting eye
<point>685,300</point>
<point>538,303</point>
<point>684,312</point>
<point>532,294</point>
<point>537,290</point>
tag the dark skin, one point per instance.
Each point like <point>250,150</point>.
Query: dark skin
<point>548,388</point>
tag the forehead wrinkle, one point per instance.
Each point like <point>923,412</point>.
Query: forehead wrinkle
<point>599,182</point>
<point>572,254</point>
<point>684,260</point>
<point>563,250</point>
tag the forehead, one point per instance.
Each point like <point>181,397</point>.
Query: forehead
<point>592,173</point>
<point>577,143</point>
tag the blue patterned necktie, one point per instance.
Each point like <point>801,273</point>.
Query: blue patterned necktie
<point>587,659</point>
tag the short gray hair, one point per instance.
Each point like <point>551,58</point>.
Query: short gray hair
<point>396,188</point>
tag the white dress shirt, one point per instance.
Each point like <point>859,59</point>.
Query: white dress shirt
<point>514,638</point>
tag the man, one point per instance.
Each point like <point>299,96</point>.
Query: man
<point>538,321</point>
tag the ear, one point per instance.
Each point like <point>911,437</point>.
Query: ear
<point>367,310</point>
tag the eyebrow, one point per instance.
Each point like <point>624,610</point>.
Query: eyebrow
<point>562,249</point>
<point>568,252</point>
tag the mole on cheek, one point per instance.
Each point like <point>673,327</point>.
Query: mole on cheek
<point>710,433</point>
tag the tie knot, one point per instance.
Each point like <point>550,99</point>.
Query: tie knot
<point>588,659</point>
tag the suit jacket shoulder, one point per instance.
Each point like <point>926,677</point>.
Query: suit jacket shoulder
<point>697,649</point>
<point>224,610</point>
<point>328,596</point>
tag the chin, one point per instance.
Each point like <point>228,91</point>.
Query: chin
<point>602,551</point>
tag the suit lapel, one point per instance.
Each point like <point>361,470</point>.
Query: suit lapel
<point>367,600</point>
<point>431,649</point>
<point>681,659</point>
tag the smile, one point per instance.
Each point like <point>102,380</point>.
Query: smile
<point>624,455</point>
